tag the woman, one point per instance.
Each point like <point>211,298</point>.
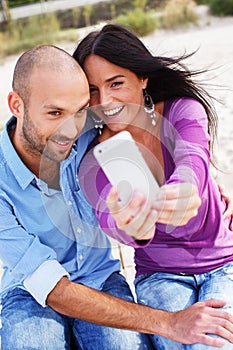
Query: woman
<point>184,246</point>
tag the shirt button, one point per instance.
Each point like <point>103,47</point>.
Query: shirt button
<point>80,257</point>
<point>70,203</point>
<point>79,230</point>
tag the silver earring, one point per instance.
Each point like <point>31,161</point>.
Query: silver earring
<point>149,107</point>
<point>98,123</point>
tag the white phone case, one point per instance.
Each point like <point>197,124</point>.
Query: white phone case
<point>125,167</point>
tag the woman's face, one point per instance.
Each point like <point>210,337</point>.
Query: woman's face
<point>116,93</point>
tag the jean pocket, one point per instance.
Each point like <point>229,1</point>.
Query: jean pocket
<point>139,279</point>
<point>228,270</point>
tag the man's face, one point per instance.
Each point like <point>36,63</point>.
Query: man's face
<point>54,114</point>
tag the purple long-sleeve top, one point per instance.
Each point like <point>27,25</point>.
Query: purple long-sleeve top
<point>206,241</point>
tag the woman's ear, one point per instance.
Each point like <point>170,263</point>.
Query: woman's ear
<point>144,83</point>
<point>16,104</point>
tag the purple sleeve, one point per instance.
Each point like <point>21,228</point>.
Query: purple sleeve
<point>96,186</point>
<point>188,130</point>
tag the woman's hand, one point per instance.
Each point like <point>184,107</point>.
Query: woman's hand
<point>177,203</point>
<point>229,205</point>
<point>136,217</point>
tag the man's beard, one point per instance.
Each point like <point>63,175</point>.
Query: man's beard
<point>33,142</point>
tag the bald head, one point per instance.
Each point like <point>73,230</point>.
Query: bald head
<point>41,58</point>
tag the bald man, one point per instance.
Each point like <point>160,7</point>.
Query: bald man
<point>61,286</point>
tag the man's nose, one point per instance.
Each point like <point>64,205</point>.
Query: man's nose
<point>69,128</point>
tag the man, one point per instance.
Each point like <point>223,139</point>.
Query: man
<point>60,280</point>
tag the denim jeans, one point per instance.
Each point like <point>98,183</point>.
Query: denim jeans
<point>173,292</point>
<point>26,325</point>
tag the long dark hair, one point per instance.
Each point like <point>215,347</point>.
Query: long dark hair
<point>167,77</point>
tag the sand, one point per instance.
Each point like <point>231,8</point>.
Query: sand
<point>214,38</point>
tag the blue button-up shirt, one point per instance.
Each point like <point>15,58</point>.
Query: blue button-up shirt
<point>44,233</point>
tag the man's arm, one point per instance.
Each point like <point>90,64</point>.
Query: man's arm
<point>187,326</point>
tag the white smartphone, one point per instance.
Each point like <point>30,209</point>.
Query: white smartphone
<point>125,167</point>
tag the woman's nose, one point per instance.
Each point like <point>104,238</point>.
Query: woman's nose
<point>105,98</point>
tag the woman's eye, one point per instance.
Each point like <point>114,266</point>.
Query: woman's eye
<point>116,83</point>
<point>92,90</point>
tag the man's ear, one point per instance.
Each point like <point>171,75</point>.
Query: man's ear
<point>16,104</point>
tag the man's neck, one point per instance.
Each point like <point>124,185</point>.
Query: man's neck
<point>49,172</point>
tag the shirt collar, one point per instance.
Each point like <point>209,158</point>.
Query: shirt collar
<point>22,174</point>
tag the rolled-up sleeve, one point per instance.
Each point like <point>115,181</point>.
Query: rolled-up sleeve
<point>43,280</point>
<point>28,260</point>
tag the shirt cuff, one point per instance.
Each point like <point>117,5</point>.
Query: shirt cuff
<point>42,281</point>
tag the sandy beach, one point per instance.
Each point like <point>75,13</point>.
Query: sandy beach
<point>214,41</point>
<point>213,38</point>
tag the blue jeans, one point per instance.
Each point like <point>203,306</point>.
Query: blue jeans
<point>26,325</point>
<point>173,292</point>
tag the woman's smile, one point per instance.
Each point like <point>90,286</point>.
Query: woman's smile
<point>114,112</point>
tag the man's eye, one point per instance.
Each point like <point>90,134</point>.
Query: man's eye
<point>55,113</point>
<point>83,110</point>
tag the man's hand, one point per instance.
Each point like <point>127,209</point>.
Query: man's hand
<point>196,323</point>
